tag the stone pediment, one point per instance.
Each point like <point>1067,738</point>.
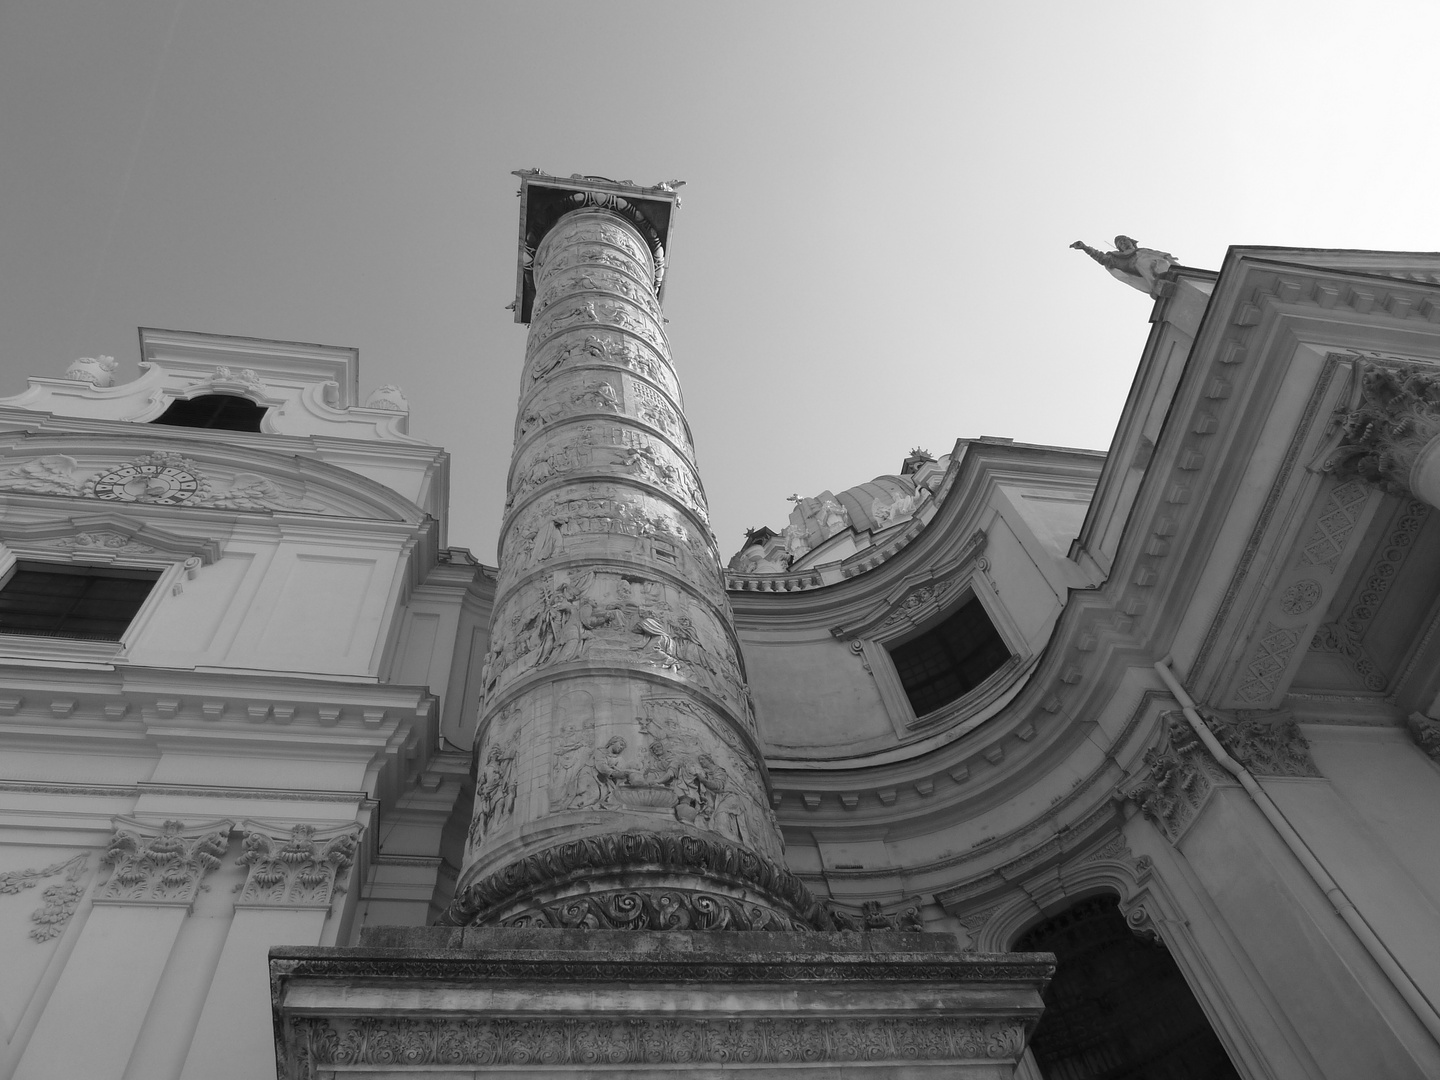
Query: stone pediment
<point>124,472</point>
<point>106,536</point>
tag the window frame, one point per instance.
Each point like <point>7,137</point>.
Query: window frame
<point>173,570</point>
<point>976,704</point>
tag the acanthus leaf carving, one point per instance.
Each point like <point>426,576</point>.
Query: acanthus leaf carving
<point>1265,745</point>
<point>298,866</point>
<point>164,863</point>
<point>1179,779</point>
<point>1396,415</point>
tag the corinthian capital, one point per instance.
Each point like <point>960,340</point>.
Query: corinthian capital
<point>295,865</point>
<point>1396,415</point>
<point>162,864</point>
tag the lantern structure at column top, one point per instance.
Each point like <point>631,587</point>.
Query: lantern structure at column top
<point>544,199</point>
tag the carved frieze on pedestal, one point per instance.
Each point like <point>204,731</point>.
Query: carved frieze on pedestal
<point>298,866</point>
<point>162,864</point>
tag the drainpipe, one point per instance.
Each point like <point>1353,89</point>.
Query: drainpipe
<point>1414,997</point>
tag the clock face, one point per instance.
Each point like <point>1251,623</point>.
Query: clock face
<point>147,483</point>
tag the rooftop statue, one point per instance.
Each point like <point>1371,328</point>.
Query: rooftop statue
<point>1140,268</point>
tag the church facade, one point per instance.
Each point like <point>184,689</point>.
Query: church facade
<point>1170,712</point>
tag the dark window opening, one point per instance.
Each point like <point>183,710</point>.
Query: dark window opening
<point>220,412</point>
<point>949,660</point>
<point>1118,1007</point>
<point>93,603</point>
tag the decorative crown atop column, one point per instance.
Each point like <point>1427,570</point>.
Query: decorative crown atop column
<point>544,199</point>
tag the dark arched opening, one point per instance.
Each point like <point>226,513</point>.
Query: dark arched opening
<point>1118,1007</point>
<point>219,412</point>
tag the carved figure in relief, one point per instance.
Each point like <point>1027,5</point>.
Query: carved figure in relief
<point>49,475</point>
<point>1140,268</point>
<point>599,775</point>
<point>563,635</point>
<point>812,522</point>
<point>897,510</point>
<point>494,793</point>
<point>721,807</point>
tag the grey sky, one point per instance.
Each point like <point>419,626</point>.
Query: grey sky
<point>872,250</point>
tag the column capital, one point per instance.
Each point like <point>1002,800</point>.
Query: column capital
<point>295,865</point>
<point>1390,426</point>
<point>545,199</point>
<point>161,864</point>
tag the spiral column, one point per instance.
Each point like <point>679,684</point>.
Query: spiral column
<point>620,783</point>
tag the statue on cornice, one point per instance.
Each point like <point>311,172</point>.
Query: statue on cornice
<point>1139,267</point>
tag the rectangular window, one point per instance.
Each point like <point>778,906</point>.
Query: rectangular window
<point>950,659</point>
<point>93,603</point>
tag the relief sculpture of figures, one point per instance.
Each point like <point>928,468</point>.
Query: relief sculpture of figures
<point>494,792</point>
<point>1139,267</point>
<point>591,778</point>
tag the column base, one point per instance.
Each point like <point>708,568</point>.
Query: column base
<point>481,1001</point>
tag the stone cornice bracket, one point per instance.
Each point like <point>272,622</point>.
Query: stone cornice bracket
<point>1267,744</point>
<point>1392,417</point>
<point>161,864</point>
<point>295,865</point>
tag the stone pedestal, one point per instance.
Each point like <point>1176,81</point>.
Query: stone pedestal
<point>482,1001</point>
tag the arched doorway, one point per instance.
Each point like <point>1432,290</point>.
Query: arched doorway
<point>1118,1007</point>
